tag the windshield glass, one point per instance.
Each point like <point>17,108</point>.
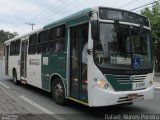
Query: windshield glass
<point>123,46</point>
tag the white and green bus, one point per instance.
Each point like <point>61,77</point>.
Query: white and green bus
<point>98,57</point>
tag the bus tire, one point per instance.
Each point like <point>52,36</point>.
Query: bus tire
<point>58,92</point>
<point>16,82</point>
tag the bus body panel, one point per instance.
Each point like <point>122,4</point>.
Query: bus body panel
<point>53,63</point>
<point>34,70</point>
<point>14,63</point>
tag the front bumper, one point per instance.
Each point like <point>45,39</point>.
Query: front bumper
<point>101,97</point>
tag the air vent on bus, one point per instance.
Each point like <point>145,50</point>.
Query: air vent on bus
<point>127,79</point>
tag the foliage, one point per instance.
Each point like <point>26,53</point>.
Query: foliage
<point>5,36</point>
<point>154,16</point>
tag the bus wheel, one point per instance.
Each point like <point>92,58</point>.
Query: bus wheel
<point>58,91</point>
<point>15,77</point>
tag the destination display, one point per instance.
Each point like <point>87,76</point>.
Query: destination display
<point>125,16</point>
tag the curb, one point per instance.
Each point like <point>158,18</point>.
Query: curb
<point>157,88</point>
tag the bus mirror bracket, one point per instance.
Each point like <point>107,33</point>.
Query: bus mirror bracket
<point>95,30</point>
<point>94,26</point>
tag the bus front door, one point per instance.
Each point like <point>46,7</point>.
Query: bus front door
<point>78,71</point>
<point>23,67</point>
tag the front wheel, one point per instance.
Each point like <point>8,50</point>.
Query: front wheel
<point>58,91</point>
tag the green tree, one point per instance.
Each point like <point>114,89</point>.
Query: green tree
<point>154,16</point>
<point>5,35</point>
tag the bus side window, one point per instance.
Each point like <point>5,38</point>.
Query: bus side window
<point>57,35</point>
<point>32,49</point>
<point>45,47</point>
<point>58,47</point>
<point>32,44</point>
<point>43,36</point>
<point>51,47</point>
<point>17,47</point>
<point>12,46</point>
<point>39,49</point>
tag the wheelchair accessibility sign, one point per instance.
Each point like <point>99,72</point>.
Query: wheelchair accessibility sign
<point>135,62</point>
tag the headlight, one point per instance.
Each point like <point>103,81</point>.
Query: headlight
<point>101,83</point>
<point>150,81</point>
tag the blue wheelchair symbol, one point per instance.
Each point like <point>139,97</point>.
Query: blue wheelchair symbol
<point>136,63</point>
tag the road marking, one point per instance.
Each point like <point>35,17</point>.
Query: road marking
<point>4,85</point>
<point>57,117</point>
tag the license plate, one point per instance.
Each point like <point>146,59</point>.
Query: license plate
<point>138,85</point>
<point>132,96</point>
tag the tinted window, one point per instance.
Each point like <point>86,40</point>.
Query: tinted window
<point>57,39</point>
<point>39,49</point>
<point>57,32</point>
<point>32,44</point>
<point>59,46</point>
<point>12,46</point>
<point>52,46</point>
<point>17,47</point>
<point>32,49</point>
<point>53,33</point>
<point>45,48</point>
<point>33,39</point>
<point>43,36</point>
<point>56,46</point>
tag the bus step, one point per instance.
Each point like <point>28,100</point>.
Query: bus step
<point>23,81</point>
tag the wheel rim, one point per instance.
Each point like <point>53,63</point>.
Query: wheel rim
<point>58,91</point>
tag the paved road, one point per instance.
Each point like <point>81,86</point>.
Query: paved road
<point>36,101</point>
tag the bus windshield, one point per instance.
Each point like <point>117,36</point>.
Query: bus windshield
<point>119,44</point>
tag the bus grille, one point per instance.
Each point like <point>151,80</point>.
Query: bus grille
<point>125,99</point>
<point>127,79</point>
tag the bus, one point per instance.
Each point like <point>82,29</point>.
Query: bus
<point>98,56</point>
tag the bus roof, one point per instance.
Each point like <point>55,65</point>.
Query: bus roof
<point>55,23</point>
<point>63,21</point>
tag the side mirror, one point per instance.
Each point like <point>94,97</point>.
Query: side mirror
<point>95,29</point>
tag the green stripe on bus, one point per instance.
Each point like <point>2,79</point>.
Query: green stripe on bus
<point>116,85</point>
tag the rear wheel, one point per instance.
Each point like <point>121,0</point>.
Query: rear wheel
<point>15,77</point>
<point>58,91</point>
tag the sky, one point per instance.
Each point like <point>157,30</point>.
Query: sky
<point>14,14</point>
